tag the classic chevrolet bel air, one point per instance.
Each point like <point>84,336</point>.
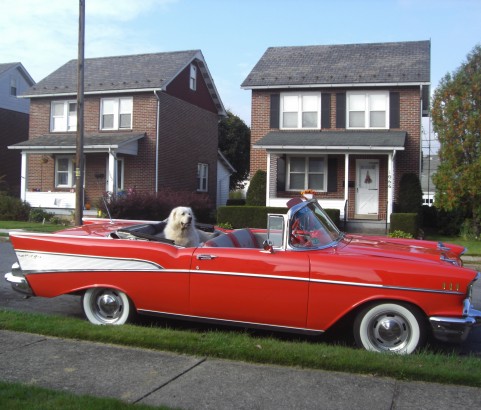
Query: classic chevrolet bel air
<point>301,274</point>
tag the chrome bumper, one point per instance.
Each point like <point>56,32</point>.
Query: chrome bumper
<point>451,329</point>
<point>18,281</point>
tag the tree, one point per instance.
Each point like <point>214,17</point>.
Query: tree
<point>234,143</point>
<point>456,114</point>
<point>256,194</point>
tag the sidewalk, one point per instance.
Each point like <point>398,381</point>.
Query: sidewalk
<point>188,382</point>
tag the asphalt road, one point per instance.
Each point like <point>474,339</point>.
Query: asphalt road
<point>70,305</point>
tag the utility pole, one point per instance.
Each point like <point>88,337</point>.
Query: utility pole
<point>79,159</point>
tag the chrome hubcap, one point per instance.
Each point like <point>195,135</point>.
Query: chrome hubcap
<point>108,306</point>
<point>389,332</point>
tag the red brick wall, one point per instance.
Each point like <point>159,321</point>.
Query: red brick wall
<point>188,135</point>
<point>410,121</point>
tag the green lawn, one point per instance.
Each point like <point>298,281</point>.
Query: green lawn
<point>431,365</point>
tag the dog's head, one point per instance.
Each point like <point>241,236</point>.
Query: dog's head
<point>183,217</point>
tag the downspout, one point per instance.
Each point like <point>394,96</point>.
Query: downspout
<point>157,144</point>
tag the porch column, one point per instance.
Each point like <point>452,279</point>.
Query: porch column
<point>390,185</point>
<point>346,177</point>
<point>112,177</point>
<point>23,176</point>
<point>268,179</point>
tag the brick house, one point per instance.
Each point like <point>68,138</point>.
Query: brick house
<point>342,120</point>
<point>150,123</point>
<point>14,114</point>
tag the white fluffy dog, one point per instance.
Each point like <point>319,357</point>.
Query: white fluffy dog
<point>180,227</point>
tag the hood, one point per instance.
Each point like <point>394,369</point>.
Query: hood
<point>404,249</point>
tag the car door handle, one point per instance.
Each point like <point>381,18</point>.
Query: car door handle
<point>204,257</point>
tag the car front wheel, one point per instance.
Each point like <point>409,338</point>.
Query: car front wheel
<point>390,327</point>
<point>104,306</point>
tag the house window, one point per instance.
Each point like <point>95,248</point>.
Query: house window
<point>64,171</point>
<point>368,110</point>
<point>202,177</point>
<point>306,173</point>
<point>63,116</point>
<point>193,77</point>
<point>300,110</point>
<point>13,86</point>
<point>116,113</point>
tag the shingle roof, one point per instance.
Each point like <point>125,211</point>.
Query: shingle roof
<point>68,141</point>
<point>358,140</point>
<point>402,62</point>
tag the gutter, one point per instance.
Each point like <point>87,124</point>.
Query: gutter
<point>345,85</point>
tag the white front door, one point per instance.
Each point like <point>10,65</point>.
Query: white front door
<point>367,187</point>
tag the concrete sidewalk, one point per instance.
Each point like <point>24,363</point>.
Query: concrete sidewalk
<point>188,382</point>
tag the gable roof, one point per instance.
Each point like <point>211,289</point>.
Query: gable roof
<point>133,73</point>
<point>399,63</point>
<point>5,67</point>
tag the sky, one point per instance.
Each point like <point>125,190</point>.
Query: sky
<point>232,34</point>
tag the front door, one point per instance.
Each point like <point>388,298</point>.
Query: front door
<point>367,188</point>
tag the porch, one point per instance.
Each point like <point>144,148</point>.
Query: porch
<point>351,171</point>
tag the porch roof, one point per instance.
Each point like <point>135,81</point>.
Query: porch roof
<point>333,140</point>
<point>125,143</point>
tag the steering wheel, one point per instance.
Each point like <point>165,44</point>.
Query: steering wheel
<point>299,237</point>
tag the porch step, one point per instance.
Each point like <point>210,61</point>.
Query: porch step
<point>367,226</point>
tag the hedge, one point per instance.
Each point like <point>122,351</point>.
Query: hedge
<point>406,222</point>
<point>256,216</point>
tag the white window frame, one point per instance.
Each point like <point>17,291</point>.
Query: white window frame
<point>67,121</point>
<point>120,106</point>
<point>193,77</point>
<point>368,108</point>
<point>306,173</point>
<point>300,110</point>
<point>13,86</point>
<point>202,177</point>
<point>70,171</point>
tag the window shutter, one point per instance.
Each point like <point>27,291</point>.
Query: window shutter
<point>275,110</point>
<point>332,175</point>
<point>425,96</point>
<point>340,110</point>
<point>394,110</point>
<point>326,110</point>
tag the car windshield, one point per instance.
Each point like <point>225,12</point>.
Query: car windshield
<point>311,227</point>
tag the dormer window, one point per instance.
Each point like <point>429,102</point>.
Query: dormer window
<point>193,77</point>
<point>300,110</point>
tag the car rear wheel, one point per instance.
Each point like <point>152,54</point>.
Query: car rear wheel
<point>390,327</point>
<point>104,306</point>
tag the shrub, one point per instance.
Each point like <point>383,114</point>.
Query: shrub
<point>156,206</point>
<point>449,222</point>
<point>247,216</point>
<point>410,194</point>
<point>40,215</point>
<point>256,194</point>
<point>406,222</point>
<point>400,234</point>
<point>13,209</point>
<point>236,202</point>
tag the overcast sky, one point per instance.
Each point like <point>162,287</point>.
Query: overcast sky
<point>232,34</point>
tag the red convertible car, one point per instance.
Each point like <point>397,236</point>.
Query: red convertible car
<point>301,274</point>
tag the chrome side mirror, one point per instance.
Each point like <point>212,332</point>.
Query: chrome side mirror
<point>267,246</point>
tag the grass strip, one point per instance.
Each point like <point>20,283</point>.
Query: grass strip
<point>243,346</point>
<point>16,396</point>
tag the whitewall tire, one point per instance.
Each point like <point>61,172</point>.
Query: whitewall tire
<point>390,327</point>
<point>104,306</point>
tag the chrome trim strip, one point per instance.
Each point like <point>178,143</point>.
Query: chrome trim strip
<point>229,322</point>
<point>329,282</point>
